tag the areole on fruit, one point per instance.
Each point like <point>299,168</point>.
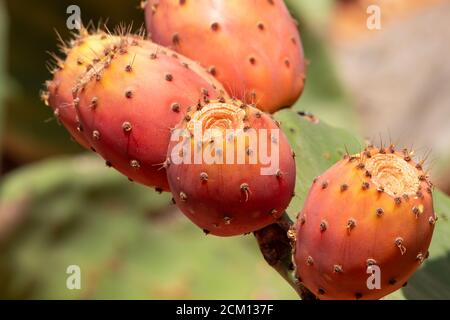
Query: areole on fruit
<point>215,168</point>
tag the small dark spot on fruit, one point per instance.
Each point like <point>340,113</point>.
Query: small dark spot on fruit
<point>323,226</point>
<point>175,107</point>
<point>203,176</point>
<point>215,26</point>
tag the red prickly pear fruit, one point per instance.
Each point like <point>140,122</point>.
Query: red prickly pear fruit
<point>221,194</point>
<point>374,209</point>
<point>129,101</point>
<point>59,96</point>
<point>252,47</point>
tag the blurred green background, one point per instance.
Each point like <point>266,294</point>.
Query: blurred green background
<point>60,206</point>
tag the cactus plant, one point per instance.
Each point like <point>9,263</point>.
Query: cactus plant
<point>66,211</point>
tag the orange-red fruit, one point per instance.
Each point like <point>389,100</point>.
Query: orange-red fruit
<point>130,99</point>
<point>374,208</point>
<point>58,96</point>
<point>252,47</point>
<point>219,193</point>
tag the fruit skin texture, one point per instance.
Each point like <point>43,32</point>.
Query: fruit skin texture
<point>349,222</point>
<point>252,47</point>
<point>232,199</point>
<point>58,95</point>
<point>128,102</point>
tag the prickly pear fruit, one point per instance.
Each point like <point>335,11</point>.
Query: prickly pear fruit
<point>80,53</point>
<point>130,99</point>
<point>372,210</point>
<point>252,47</point>
<point>231,169</point>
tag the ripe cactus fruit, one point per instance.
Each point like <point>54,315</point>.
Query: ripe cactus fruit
<point>80,53</point>
<point>221,194</point>
<point>252,47</point>
<point>371,209</point>
<point>130,99</point>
